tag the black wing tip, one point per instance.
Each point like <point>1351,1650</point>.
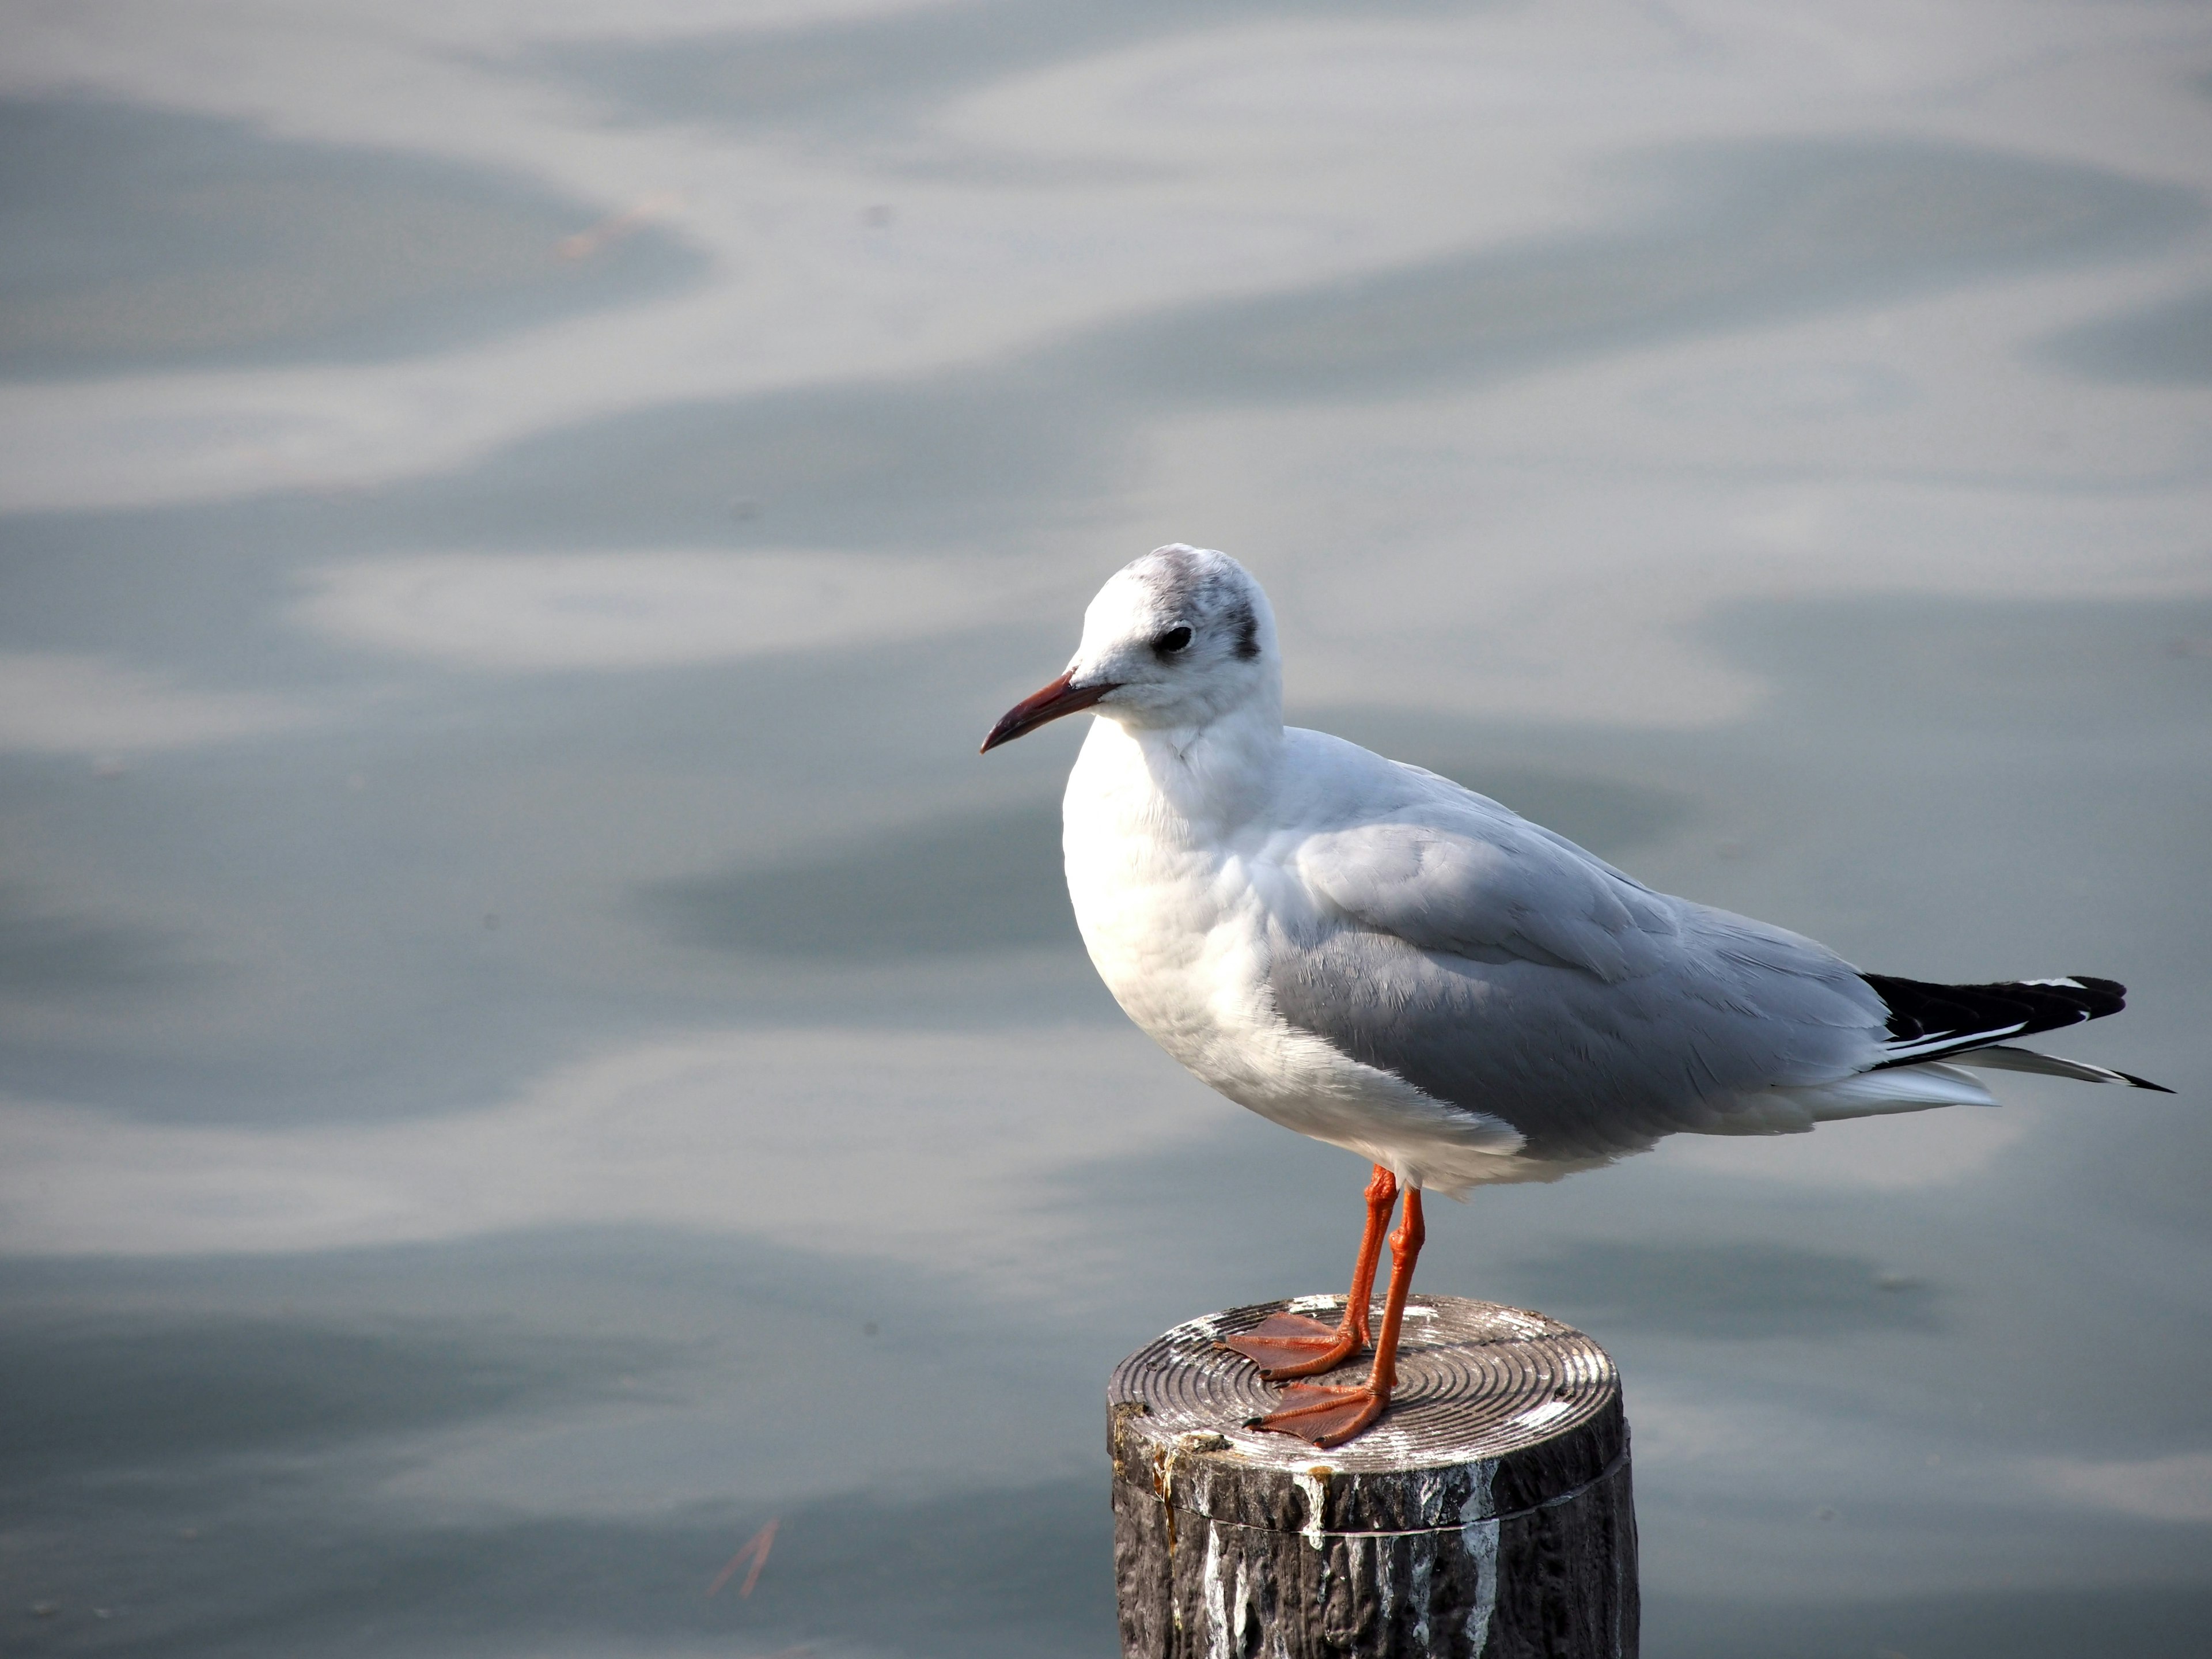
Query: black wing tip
<point>2102,988</point>
<point>2135,1082</point>
<point>1927,1021</point>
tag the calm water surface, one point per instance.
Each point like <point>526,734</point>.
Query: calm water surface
<point>533,1046</point>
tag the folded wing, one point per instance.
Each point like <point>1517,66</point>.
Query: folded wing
<point>1501,969</point>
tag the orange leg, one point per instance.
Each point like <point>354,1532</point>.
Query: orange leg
<point>1290,1345</point>
<point>1331,1416</point>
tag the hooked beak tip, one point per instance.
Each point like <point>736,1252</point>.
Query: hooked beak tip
<point>1042,706</point>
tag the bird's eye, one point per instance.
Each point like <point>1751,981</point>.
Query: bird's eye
<point>1173,640</point>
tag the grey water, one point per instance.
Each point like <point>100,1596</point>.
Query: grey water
<point>531,1047</point>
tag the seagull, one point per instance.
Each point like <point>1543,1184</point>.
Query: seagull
<point>1376,956</point>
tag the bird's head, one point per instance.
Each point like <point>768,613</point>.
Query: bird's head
<point>1177,639</point>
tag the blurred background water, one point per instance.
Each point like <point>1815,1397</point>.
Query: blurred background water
<point>533,1046</point>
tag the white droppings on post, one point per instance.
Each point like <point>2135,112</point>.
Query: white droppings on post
<point>1216,1599</point>
<point>1536,1416</point>
<point>1478,1537</point>
<point>1372,1572</point>
<point>1514,1323</point>
<point>1430,1488</point>
<point>1421,1566</point>
<point>1207,1326</point>
<point>1393,1440</point>
<point>1197,1478</point>
<point>1314,1304</point>
<point>1313,1482</point>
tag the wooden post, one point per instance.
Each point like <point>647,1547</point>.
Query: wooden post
<point>1489,1514</point>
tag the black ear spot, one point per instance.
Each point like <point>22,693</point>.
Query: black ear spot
<point>1247,628</point>
<point>1175,638</point>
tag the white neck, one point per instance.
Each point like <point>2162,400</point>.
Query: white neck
<point>1213,777</point>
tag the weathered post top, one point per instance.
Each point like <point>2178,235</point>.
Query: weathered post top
<point>1488,1513</point>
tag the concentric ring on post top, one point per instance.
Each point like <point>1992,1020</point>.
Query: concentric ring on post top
<point>1475,1381</point>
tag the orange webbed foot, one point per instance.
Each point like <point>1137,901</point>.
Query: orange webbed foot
<point>1326,1416</point>
<point>1290,1345</point>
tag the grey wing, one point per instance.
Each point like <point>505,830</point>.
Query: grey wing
<point>1501,969</point>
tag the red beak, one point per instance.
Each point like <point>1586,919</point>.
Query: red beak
<point>1039,706</point>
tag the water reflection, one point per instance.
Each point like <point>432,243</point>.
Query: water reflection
<point>533,1048</point>
<point>75,703</point>
<point>863,75</point>
<point>1729,1290</point>
<point>932,1139</point>
<point>998,454</point>
<point>1751,234</point>
<point>138,238</point>
<point>980,883</point>
<point>630,610</point>
<point>138,1397</point>
<point>2169,343</point>
<point>49,956</point>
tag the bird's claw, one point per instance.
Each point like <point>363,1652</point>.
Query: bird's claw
<point>1286,1345</point>
<point>1326,1416</point>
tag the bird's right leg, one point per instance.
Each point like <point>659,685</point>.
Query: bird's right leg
<point>1290,1345</point>
<point>1329,1416</point>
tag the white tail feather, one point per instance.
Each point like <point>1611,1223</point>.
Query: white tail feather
<point>1894,1088</point>
<point>2001,1058</point>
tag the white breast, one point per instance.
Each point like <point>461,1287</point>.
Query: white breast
<point>1177,923</point>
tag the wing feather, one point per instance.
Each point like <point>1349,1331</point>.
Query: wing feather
<point>1471,878</point>
<point>1500,968</point>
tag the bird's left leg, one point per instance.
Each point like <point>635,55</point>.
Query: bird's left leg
<point>1331,1416</point>
<point>1291,1345</point>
